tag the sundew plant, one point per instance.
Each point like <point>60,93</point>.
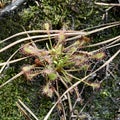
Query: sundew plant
<point>65,60</point>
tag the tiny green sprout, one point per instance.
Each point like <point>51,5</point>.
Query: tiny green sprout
<point>52,76</point>
<point>47,26</point>
<point>50,73</point>
<point>105,93</point>
<point>55,62</point>
<point>62,62</point>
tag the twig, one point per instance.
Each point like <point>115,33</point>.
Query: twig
<point>11,7</point>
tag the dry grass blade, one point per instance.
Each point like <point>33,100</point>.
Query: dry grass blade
<point>114,42</point>
<point>98,26</point>
<point>103,28</point>
<point>77,83</point>
<point>110,45</point>
<point>104,42</point>
<point>94,31</point>
<point>27,109</point>
<point>68,95</point>
<point>23,111</point>
<point>38,37</point>
<point>28,32</point>
<point>13,61</point>
<point>16,76</point>
<point>40,31</point>
<point>113,45</point>
<point>24,39</point>
<point>106,4</point>
<point>77,35</point>
<point>51,31</point>
<point>7,62</point>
